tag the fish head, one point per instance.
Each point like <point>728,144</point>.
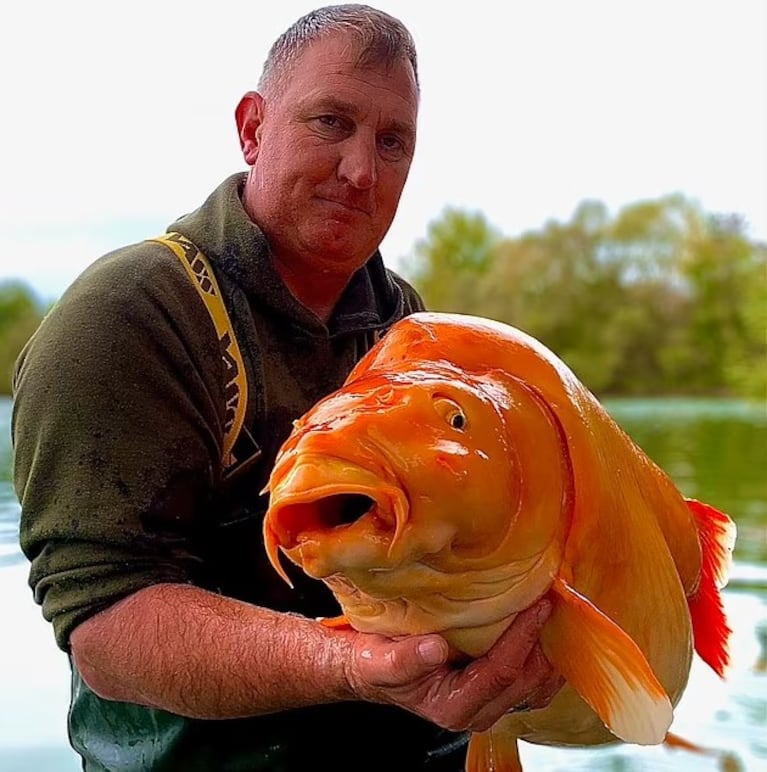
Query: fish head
<point>426,499</point>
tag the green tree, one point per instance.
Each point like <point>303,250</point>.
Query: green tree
<point>728,321</point>
<point>661,298</point>
<point>20,314</point>
<point>458,250</point>
<point>646,245</point>
<point>553,285</point>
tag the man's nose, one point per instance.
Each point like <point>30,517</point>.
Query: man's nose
<point>358,164</point>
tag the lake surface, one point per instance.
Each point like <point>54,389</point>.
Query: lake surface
<point>716,451</point>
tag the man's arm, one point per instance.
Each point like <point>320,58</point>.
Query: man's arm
<point>191,652</point>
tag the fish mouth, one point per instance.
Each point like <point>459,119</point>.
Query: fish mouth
<point>328,514</point>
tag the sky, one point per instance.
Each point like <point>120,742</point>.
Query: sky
<point>118,118</point>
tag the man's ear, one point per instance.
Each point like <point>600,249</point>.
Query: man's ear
<point>249,115</point>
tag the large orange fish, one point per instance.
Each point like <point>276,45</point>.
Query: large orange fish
<point>461,473</point>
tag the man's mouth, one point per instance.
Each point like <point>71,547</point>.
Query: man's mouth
<point>345,204</point>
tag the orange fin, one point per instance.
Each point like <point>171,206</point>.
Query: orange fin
<point>726,759</point>
<point>492,751</point>
<point>709,624</point>
<point>335,623</point>
<point>606,667</point>
<point>679,743</point>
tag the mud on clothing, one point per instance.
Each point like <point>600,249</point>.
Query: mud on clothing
<point>117,427</point>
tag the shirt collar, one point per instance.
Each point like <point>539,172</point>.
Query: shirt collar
<point>235,245</point>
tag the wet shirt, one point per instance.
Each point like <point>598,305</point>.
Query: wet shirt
<point>118,424</point>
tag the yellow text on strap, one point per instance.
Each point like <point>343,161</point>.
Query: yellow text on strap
<point>236,390</point>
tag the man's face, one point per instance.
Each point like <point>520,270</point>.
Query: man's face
<point>331,154</point>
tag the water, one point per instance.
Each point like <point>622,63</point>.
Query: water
<point>716,451</point>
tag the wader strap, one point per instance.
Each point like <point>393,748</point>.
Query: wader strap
<point>236,392</point>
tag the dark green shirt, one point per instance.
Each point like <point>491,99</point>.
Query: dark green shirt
<point>118,429</point>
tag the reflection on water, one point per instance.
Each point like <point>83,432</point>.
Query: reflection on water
<point>9,530</point>
<point>716,451</point>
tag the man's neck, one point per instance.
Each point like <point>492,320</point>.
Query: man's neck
<point>317,291</point>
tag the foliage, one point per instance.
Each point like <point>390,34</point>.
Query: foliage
<point>20,314</point>
<point>662,298</point>
<point>465,244</point>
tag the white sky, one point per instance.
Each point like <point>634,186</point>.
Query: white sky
<point>119,117</point>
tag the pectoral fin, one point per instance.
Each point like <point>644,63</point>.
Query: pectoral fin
<point>604,665</point>
<point>492,751</point>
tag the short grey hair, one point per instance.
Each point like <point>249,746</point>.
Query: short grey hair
<point>381,38</point>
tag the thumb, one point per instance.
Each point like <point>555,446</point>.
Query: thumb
<point>432,651</point>
<point>412,658</point>
<point>405,660</point>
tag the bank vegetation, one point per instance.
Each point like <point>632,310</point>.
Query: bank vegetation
<point>661,298</point>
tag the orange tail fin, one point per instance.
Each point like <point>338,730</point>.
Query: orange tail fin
<point>493,751</point>
<point>709,624</point>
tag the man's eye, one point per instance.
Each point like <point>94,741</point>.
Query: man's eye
<point>332,121</point>
<point>392,147</point>
<point>331,126</point>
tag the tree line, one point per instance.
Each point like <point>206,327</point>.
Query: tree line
<point>662,298</point>
<point>21,311</point>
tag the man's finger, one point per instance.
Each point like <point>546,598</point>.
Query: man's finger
<point>523,633</point>
<point>503,665</point>
<point>550,687</point>
<point>527,690</point>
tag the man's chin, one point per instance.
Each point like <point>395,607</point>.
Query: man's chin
<point>336,245</point>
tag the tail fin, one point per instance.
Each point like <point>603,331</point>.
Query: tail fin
<point>709,624</point>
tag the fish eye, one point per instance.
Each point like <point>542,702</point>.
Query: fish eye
<point>451,412</point>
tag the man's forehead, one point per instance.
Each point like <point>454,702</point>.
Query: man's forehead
<point>330,75</point>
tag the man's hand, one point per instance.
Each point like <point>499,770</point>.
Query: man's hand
<point>413,673</point>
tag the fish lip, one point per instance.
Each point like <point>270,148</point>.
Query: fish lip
<point>291,520</point>
<point>341,476</point>
<point>386,501</point>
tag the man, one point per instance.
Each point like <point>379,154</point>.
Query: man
<point>187,651</point>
